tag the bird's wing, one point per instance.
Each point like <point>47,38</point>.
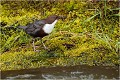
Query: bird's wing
<point>34,27</point>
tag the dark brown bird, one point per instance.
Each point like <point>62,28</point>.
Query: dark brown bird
<point>41,28</point>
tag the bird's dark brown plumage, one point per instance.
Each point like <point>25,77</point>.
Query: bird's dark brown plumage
<point>38,28</point>
<point>35,29</point>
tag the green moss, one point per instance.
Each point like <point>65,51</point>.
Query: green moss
<point>82,38</point>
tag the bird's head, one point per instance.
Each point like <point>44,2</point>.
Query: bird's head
<point>57,17</point>
<point>52,18</point>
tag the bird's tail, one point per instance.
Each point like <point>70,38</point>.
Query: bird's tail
<point>22,27</point>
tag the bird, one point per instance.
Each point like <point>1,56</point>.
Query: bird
<point>41,28</point>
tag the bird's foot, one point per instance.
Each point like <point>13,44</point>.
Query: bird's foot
<point>37,50</point>
<point>46,48</point>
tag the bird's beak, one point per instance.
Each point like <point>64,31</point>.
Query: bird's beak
<point>62,17</point>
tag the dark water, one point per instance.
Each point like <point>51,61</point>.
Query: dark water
<point>65,73</point>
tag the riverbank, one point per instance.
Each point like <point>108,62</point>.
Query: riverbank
<point>87,36</point>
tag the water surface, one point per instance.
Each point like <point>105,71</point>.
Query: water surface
<point>78,72</point>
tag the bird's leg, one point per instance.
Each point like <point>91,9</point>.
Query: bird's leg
<point>44,45</point>
<point>34,45</point>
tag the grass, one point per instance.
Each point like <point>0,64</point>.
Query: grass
<point>87,36</point>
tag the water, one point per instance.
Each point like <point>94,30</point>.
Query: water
<point>79,72</point>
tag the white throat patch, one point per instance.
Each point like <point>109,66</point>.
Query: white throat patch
<point>49,27</point>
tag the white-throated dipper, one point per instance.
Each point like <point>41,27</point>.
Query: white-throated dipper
<point>41,28</point>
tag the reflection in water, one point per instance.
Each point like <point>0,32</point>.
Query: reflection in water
<point>64,73</point>
<point>75,76</point>
<point>89,77</point>
<point>21,76</point>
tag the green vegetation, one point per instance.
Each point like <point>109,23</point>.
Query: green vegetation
<point>89,35</point>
